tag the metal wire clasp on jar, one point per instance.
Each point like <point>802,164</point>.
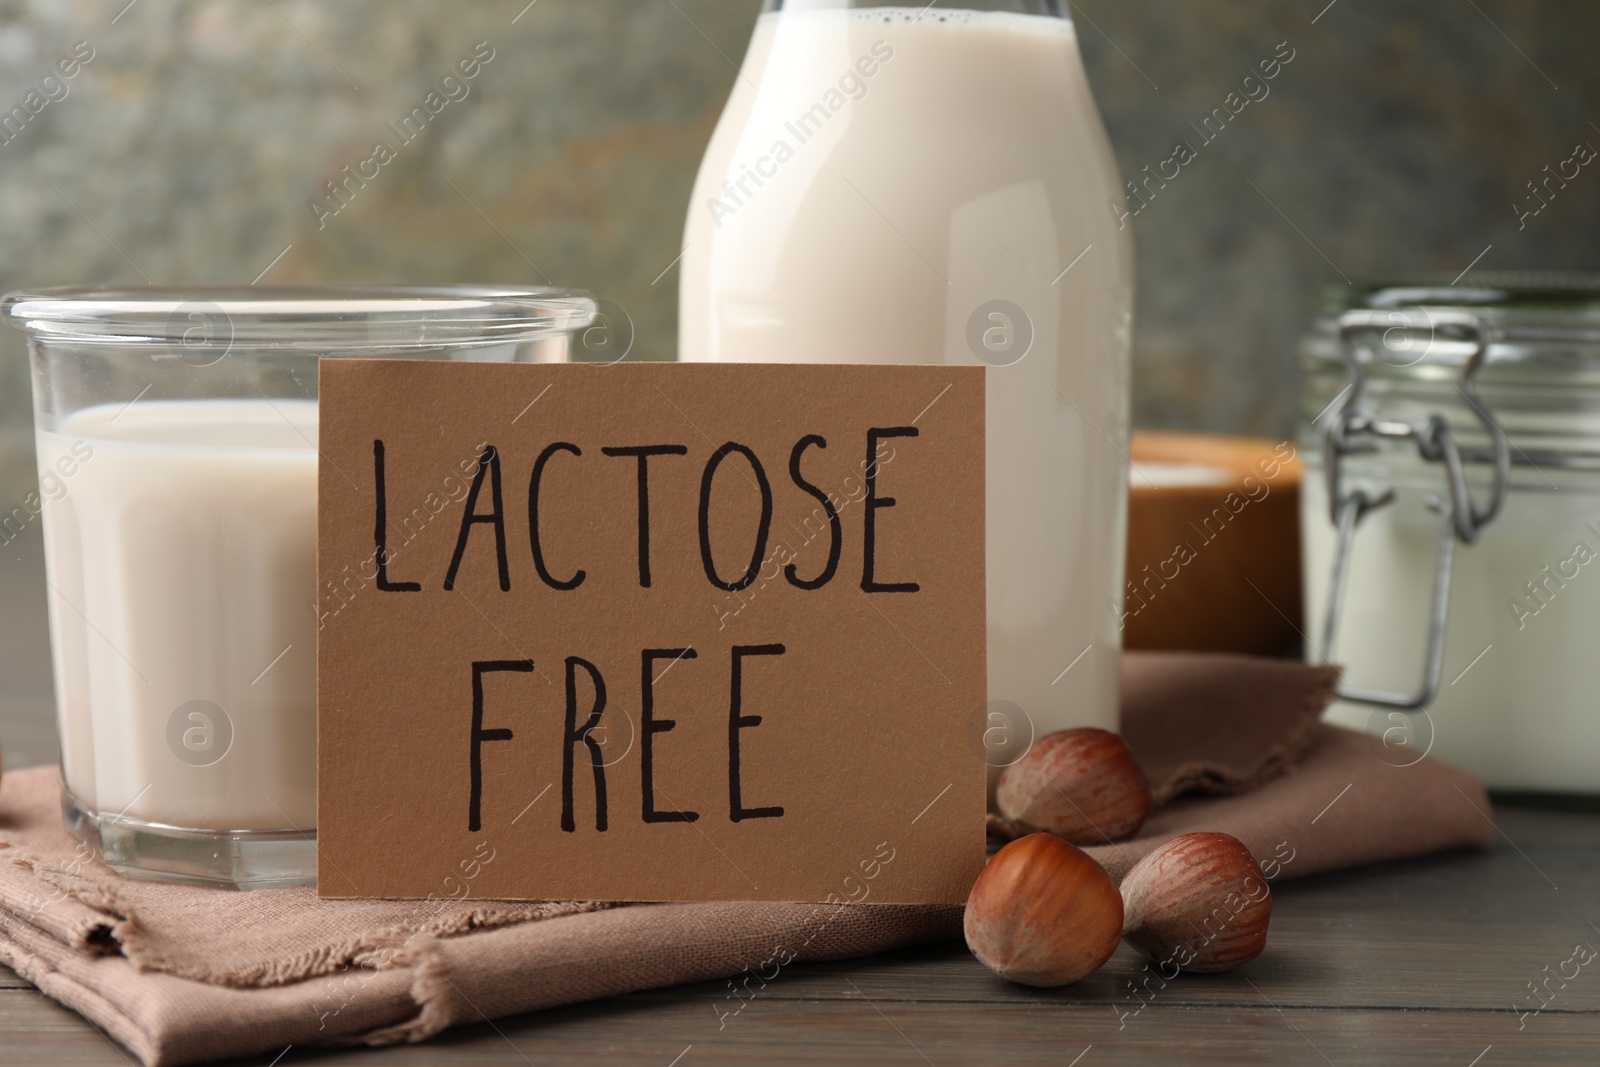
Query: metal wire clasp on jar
<point>1460,516</point>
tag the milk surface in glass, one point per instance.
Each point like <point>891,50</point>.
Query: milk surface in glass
<point>895,186</point>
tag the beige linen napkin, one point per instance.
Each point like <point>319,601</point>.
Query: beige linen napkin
<point>1306,797</point>
<point>181,974</point>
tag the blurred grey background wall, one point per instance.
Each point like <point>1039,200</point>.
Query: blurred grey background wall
<point>191,147</point>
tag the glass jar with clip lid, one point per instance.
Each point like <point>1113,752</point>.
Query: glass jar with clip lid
<point>1451,522</point>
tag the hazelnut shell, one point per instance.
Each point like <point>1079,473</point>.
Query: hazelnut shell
<point>1199,902</point>
<point>1082,785</point>
<point>1043,913</point>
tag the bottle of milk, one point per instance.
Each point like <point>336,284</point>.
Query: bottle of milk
<point>933,184</point>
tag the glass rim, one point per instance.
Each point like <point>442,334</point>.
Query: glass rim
<point>315,318</point>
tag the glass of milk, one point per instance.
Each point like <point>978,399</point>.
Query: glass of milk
<point>176,434</point>
<point>933,184</point>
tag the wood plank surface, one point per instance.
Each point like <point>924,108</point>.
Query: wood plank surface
<point>679,1033</point>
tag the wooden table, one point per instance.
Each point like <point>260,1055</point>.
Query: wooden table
<point>1425,962</point>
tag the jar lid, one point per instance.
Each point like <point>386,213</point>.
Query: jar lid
<point>1552,291</point>
<point>1536,325</point>
<point>313,318</point>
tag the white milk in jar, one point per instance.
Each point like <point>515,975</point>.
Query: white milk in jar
<point>931,185</point>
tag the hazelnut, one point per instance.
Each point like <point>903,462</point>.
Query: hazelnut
<point>1043,913</point>
<point>1082,785</point>
<point>1199,902</point>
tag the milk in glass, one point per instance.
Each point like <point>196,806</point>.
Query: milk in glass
<point>177,707</point>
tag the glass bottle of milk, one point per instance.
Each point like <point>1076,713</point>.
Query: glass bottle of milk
<point>910,184</point>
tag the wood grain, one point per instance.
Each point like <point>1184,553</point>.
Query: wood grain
<point>778,1033</point>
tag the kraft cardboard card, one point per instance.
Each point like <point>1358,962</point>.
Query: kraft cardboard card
<point>650,631</point>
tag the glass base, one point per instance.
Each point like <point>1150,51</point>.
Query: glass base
<point>222,859</point>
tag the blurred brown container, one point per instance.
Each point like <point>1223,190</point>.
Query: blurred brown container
<point>1213,545</point>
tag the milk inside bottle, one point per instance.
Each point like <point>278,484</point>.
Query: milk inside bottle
<point>933,185</point>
